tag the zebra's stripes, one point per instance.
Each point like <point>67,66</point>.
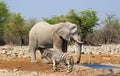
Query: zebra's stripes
<point>59,57</point>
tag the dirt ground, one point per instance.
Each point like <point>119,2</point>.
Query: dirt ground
<point>25,64</point>
<point>22,64</point>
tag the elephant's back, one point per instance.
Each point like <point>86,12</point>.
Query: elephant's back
<point>40,25</point>
<point>42,32</point>
<point>39,28</point>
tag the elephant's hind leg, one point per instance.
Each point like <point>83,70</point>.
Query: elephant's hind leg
<point>33,55</point>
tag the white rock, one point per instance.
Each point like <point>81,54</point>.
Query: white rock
<point>4,52</point>
<point>15,70</point>
<point>34,73</point>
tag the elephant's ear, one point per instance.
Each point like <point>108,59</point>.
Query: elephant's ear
<point>63,31</point>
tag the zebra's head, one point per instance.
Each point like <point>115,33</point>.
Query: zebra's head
<point>46,54</point>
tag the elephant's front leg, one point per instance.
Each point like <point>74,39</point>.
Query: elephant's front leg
<point>33,55</point>
<point>57,43</point>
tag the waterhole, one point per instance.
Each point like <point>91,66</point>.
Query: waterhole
<point>100,66</point>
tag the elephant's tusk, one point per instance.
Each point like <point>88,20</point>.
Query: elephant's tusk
<point>80,42</point>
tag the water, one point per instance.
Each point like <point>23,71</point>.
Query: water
<point>99,66</point>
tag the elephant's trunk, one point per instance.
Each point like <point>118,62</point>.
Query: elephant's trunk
<point>78,44</point>
<point>78,51</point>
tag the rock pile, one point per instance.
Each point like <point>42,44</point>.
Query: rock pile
<point>23,51</point>
<point>103,49</point>
<point>16,51</point>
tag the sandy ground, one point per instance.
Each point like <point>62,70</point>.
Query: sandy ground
<point>41,69</point>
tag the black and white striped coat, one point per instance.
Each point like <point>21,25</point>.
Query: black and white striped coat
<point>59,57</point>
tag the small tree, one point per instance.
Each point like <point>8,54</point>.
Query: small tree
<point>28,25</point>
<point>110,33</point>
<point>95,38</point>
<point>31,22</point>
<point>14,29</point>
<point>111,30</point>
<point>4,13</point>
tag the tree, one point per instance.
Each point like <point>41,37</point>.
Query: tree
<point>95,38</point>
<point>110,33</point>
<point>28,25</point>
<point>13,30</point>
<point>31,22</point>
<point>55,19</point>
<point>4,13</point>
<point>111,30</point>
<point>85,20</point>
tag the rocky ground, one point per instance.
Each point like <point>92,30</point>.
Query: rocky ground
<point>15,61</point>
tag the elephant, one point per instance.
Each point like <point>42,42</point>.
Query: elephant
<point>44,35</point>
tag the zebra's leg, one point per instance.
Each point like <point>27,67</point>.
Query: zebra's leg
<point>69,67</point>
<point>72,62</point>
<point>54,66</point>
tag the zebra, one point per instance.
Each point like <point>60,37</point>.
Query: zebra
<point>59,57</point>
